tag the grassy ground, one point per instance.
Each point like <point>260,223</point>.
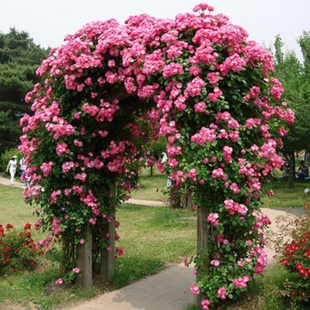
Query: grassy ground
<point>151,187</point>
<point>13,209</point>
<point>286,196</point>
<point>153,238</point>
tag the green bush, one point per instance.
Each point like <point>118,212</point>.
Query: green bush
<point>296,260</point>
<point>18,251</point>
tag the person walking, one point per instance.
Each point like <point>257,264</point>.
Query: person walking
<point>12,165</point>
<point>303,171</point>
<point>23,168</point>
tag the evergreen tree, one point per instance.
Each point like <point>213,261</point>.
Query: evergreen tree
<point>19,59</point>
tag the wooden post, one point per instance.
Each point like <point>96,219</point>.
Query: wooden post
<point>202,241</point>
<point>202,229</point>
<point>84,261</point>
<point>107,257</point>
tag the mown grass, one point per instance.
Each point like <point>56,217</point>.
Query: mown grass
<point>151,187</point>
<point>152,237</point>
<point>285,196</point>
<point>13,208</point>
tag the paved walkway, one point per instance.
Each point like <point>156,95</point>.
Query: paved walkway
<point>6,181</point>
<point>167,290</point>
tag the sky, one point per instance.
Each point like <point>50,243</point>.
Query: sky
<point>48,22</point>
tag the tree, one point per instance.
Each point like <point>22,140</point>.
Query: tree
<point>295,79</point>
<point>196,80</point>
<point>19,59</point>
<point>154,152</point>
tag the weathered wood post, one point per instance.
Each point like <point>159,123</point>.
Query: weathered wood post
<point>202,229</point>
<point>202,240</point>
<point>84,261</point>
<point>188,201</point>
<point>107,256</point>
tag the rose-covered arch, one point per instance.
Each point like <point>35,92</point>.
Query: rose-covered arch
<point>109,89</point>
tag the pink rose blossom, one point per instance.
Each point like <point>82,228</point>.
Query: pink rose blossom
<point>195,289</point>
<point>205,304</point>
<point>59,281</point>
<point>76,270</point>
<point>213,219</point>
<point>215,263</point>
<point>221,293</point>
<point>200,107</point>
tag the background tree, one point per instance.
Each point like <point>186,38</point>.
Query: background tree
<point>295,78</point>
<point>19,59</point>
<point>154,152</point>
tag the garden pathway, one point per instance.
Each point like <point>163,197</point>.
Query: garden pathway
<point>6,181</point>
<point>168,290</point>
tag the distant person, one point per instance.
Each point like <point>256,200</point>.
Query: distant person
<point>164,162</point>
<point>303,170</point>
<point>23,168</point>
<point>164,158</point>
<point>12,165</point>
<point>307,156</point>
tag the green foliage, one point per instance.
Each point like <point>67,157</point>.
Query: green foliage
<point>156,147</point>
<point>18,47</point>
<point>18,251</point>
<point>271,289</point>
<point>295,78</point>
<point>19,59</point>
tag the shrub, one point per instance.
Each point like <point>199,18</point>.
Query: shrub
<point>296,259</point>
<point>18,251</point>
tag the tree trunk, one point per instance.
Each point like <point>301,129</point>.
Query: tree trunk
<point>188,201</point>
<point>202,229</point>
<point>84,261</point>
<point>292,170</point>
<point>107,256</point>
<point>151,170</point>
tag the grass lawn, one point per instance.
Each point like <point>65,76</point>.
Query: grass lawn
<point>285,196</point>
<point>13,209</point>
<point>152,237</point>
<point>151,187</point>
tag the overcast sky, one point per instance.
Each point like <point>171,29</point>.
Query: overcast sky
<point>47,22</point>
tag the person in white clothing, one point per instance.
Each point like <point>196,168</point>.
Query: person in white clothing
<point>23,168</point>
<point>164,161</point>
<point>12,165</point>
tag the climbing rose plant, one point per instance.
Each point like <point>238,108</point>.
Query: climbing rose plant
<point>196,80</point>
